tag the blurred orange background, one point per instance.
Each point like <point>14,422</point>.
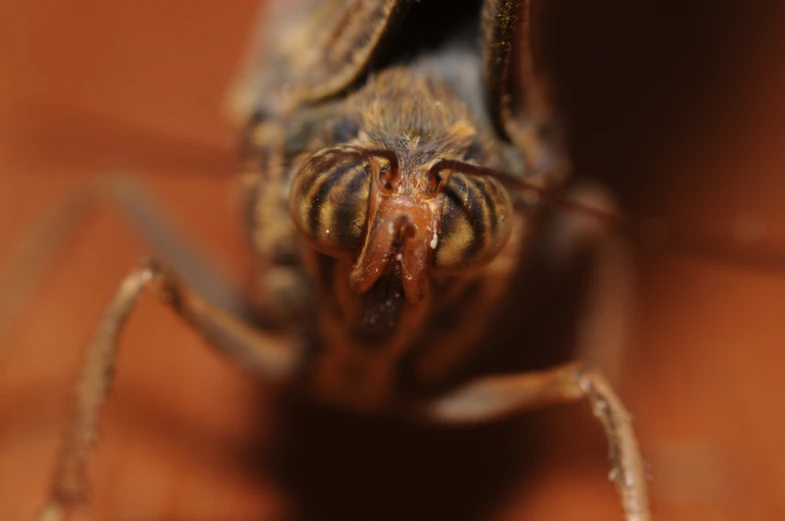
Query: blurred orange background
<point>677,108</point>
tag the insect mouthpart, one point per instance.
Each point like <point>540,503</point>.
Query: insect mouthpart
<point>350,202</point>
<point>397,244</point>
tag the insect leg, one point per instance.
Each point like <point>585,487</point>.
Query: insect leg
<point>23,266</point>
<point>573,240</point>
<point>494,397</point>
<point>608,305</point>
<point>40,248</point>
<point>269,356</point>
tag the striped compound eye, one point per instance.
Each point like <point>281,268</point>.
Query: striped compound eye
<point>329,199</point>
<point>476,222</point>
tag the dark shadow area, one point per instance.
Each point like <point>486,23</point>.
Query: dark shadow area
<point>339,466</point>
<point>640,82</point>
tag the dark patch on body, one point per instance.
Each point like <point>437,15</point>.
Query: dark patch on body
<point>476,216</point>
<point>345,129</point>
<point>346,211</point>
<point>382,308</point>
<point>331,178</point>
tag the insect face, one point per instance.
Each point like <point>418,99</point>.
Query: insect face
<point>401,197</point>
<point>398,215</point>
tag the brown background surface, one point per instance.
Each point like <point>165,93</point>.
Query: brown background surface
<point>678,108</point>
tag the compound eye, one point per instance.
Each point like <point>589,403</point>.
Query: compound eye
<point>476,222</point>
<point>329,199</point>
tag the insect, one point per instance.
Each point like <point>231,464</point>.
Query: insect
<point>381,214</point>
<point>374,162</point>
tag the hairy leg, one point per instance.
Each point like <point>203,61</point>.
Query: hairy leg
<point>271,357</point>
<point>494,397</point>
